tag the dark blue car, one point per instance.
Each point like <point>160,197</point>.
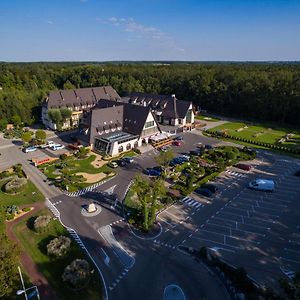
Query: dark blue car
<point>153,172</point>
<point>203,192</point>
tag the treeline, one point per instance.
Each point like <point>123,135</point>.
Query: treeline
<point>263,92</point>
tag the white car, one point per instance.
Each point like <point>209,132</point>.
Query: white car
<point>30,149</point>
<point>50,143</point>
<point>57,147</point>
<point>266,185</point>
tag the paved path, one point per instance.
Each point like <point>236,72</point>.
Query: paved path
<point>31,269</point>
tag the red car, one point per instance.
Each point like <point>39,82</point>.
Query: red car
<point>177,143</point>
<point>243,167</point>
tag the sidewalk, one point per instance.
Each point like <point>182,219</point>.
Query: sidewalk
<point>31,269</point>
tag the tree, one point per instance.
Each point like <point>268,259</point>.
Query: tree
<point>82,152</point>
<point>40,135</point>
<point>41,223</point>
<point>164,158</point>
<point>77,273</point>
<point>55,116</point>
<point>3,124</point>
<point>16,120</point>
<point>141,188</point>
<point>158,191</point>
<point>148,193</point>
<point>59,247</point>
<point>26,137</point>
<point>8,266</point>
<point>65,114</point>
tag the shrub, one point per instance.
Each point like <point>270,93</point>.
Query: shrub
<point>76,273</point>
<point>41,223</point>
<point>25,209</point>
<point>136,150</point>
<point>4,174</point>
<point>59,247</point>
<point>15,185</point>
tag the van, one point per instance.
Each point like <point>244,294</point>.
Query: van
<point>266,185</point>
<point>57,147</point>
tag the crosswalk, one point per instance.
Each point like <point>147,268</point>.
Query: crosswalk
<point>233,173</point>
<point>191,202</point>
<point>85,190</point>
<point>157,242</point>
<point>52,208</point>
<point>75,236</point>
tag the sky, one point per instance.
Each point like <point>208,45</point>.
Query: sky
<point>191,30</point>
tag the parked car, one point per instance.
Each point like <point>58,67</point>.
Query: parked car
<point>152,172</point>
<point>43,146</point>
<point>266,185</point>
<point>112,164</point>
<point>195,152</point>
<point>177,161</point>
<point>177,143</point>
<point>121,162</point>
<point>213,188</point>
<point>178,138</point>
<point>50,143</point>
<point>185,156</point>
<point>203,192</point>
<point>57,147</point>
<point>200,145</point>
<point>30,149</point>
<point>128,159</point>
<point>243,167</point>
<point>297,173</point>
<point>207,146</point>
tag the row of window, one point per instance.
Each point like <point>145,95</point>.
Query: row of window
<point>128,147</point>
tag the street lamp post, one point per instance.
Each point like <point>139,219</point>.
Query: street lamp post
<point>24,291</point>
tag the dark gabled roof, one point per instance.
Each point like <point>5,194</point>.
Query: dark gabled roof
<point>79,97</point>
<point>102,119</point>
<point>111,115</point>
<point>135,117</point>
<point>170,106</point>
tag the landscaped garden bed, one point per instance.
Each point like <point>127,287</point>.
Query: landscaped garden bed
<point>58,257</point>
<point>73,172</point>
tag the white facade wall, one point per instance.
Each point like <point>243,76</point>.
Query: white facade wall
<point>115,147</point>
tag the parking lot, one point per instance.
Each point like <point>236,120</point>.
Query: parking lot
<point>262,229</point>
<point>257,230</point>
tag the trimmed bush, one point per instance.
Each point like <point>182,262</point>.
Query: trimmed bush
<point>77,273</point>
<point>59,247</point>
<point>15,185</point>
<point>25,209</point>
<point>41,223</point>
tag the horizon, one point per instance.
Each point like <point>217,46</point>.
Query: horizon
<point>143,30</point>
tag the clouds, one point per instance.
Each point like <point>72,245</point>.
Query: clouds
<point>140,31</point>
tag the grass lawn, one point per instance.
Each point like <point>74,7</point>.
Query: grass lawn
<point>259,133</point>
<point>207,118</point>
<point>30,194</point>
<point>35,245</point>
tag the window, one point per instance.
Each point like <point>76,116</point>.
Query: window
<point>121,149</point>
<point>128,146</point>
<point>149,124</point>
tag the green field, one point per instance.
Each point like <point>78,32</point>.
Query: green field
<point>35,245</point>
<point>258,133</point>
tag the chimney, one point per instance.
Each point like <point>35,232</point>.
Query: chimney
<point>174,104</point>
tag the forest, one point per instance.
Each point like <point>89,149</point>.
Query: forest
<point>268,92</point>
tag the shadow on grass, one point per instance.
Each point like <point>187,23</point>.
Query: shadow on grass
<point>30,223</point>
<point>42,245</point>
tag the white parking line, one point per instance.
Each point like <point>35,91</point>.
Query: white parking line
<point>173,226</point>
